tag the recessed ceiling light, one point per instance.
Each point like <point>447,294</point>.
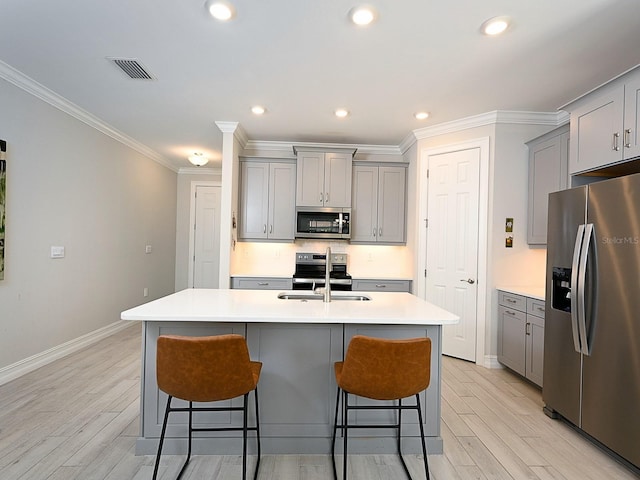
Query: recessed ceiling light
<point>198,159</point>
<point>220,9</point>
<point>495,26</point>
<point>422,115</point>
<point>341,112</point>
<point>362,15</point>
<point>257,110</point>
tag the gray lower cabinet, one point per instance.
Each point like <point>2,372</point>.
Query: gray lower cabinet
<point>548,172</point>
<point>262,283</point>
<point>267,200</point>
<point>297,383</point>
<point>535,340</point>
<point>297,391</point>
<point>375,285</point>
<point>521,334</point>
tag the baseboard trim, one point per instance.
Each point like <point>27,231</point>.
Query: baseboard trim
<point>18,369</point>
<point>491,361</point>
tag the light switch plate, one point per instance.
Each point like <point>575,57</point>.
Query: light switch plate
<point>57,252</point>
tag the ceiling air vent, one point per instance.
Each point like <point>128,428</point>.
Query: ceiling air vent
<point>132,68</point>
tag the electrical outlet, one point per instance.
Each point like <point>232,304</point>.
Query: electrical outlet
<point>145,292</point>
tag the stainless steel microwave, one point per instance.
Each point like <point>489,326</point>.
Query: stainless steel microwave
<point>322,222</point>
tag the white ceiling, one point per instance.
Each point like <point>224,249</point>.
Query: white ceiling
<point>301,59</point>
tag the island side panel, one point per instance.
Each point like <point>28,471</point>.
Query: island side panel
<point>297,384</point>
<point>153,401</point>
<point>381,441</point>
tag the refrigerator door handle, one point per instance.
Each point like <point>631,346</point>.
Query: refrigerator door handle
<point>582,308</point>
<point>575,319</point>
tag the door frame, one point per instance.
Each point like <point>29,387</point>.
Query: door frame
<point>192,220</point>
<point>483,144</point>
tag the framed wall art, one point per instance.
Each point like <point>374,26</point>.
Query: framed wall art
<point>3,199</point>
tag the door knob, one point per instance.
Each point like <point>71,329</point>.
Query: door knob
<point>469,280</point>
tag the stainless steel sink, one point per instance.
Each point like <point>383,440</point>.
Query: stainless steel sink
<point>314,296</point>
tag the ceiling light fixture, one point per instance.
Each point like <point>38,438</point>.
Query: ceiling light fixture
<point>363,15</point>
<point>341,112</point>
<point>495,26</point>
<point>258,110</point>
<point>220,9</point>
<point>198,159</point>
<point>422,115</point>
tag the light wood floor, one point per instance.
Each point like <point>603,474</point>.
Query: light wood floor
<point>78,419</point>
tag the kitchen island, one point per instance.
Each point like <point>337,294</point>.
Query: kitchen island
<point>298,341</point>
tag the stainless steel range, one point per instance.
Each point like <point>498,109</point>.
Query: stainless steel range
<point>311,269</point>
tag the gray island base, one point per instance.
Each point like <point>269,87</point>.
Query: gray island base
<point>298,343</point>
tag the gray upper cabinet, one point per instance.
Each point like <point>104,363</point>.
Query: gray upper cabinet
<point>548,172</point>
<point>604,124</point>
<point>323,179</point>
<point>378,212</point>
<point>267,197</point>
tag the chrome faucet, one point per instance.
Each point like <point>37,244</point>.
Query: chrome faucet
<point>327,278</point>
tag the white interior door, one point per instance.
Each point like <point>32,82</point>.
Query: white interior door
<point>452,245</point>
<point>206,237</point>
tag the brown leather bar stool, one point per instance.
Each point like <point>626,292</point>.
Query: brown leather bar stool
<point>382,369</point>
<point>207,369</point>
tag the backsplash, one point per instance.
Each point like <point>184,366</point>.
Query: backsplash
<point>278,259</point>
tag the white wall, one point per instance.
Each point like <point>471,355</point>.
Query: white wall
<point>70,185</point>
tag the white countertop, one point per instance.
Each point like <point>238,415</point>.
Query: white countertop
<point>536,292</point>
<point>263,306</point>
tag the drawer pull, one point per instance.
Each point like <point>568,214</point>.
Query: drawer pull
<point>263,284</point>
<point>509,312</point>
<point>380,285</point>
<point>510,300</point>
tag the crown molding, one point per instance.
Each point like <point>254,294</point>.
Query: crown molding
<point>38,90</point>
<point>277,146</point>
<point>490,118</point>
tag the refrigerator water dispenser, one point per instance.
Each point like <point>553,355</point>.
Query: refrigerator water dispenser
<point>561,289</point>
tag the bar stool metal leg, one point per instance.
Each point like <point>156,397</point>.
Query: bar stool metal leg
<point>422,440</point>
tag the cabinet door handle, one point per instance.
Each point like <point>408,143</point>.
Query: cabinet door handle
<point>527,329</point>
<point>270,228</point>
<point>264,228</point>
<point>627,138</point>
<point>374,232</point>
<point>380,232</point>
<point>616,137</point>
<point>321,197</point>
<point>326,197</point>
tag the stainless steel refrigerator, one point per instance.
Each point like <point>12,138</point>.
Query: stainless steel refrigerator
<point>592,320</point>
